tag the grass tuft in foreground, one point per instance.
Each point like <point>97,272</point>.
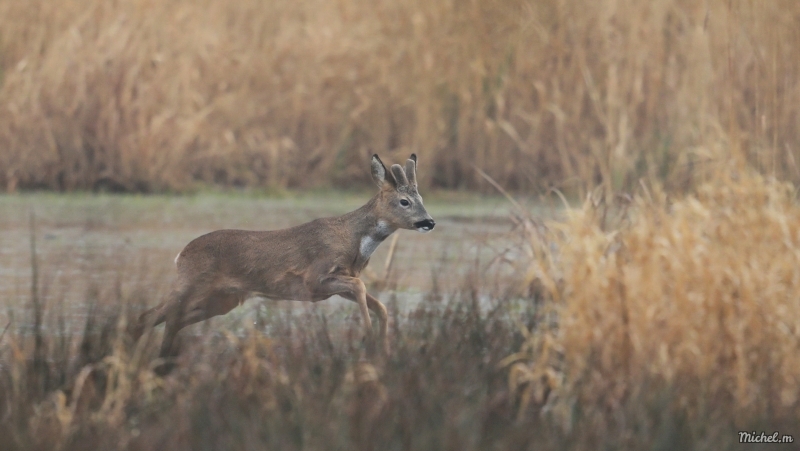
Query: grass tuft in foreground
<point>678,322</point>
<point>297,381</point>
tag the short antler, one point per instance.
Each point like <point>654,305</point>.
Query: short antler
<point>399,175</point>
<point>411,169</point>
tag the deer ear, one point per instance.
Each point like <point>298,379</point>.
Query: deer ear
<point>379,171</point>
<point>399,175</point>
<point>411,169</point>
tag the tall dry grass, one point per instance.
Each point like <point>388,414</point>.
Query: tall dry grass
<point>679,316</point>
<point>296,381</point>
<point>152,96</point>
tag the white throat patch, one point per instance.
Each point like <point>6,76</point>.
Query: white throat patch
<point>371,242</point>
<point>368,246</point>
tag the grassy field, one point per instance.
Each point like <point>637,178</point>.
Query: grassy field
<point>100,257</point>
<point>132,240</point>
<point>161,96</point>
<point>647,323</point>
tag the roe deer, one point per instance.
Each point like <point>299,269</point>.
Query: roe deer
<point>309,262</point>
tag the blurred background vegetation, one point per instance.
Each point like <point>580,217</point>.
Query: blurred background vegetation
<point>662,313</point>
<point>154,96</point>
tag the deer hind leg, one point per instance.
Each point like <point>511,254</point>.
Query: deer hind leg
<point>196,309</point>
<point>156,315</point>
<point>172,312</point>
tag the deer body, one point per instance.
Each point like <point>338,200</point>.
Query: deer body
<point>309,262</point>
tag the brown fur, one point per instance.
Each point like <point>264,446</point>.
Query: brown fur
<point>309,262</point>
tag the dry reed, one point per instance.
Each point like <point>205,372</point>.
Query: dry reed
<point>296,381</point>
<point>685,314</point>
<point>153,96</point>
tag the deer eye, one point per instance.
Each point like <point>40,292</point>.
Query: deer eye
<point>404,202</point>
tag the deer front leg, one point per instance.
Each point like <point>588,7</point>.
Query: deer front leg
<point>383,319</point>
<point>351,288</point>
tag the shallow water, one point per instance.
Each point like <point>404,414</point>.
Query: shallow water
<point>96,247</point>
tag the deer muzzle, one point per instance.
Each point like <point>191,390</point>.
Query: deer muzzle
<point>425,225</point>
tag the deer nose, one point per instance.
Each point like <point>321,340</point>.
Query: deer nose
<point>425,226</point>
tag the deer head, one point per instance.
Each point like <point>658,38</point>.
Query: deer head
<point>399,201</point>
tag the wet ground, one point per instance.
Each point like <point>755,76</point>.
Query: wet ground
<point>96,247</point>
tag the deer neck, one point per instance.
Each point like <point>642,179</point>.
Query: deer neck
<point>370,230</point>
